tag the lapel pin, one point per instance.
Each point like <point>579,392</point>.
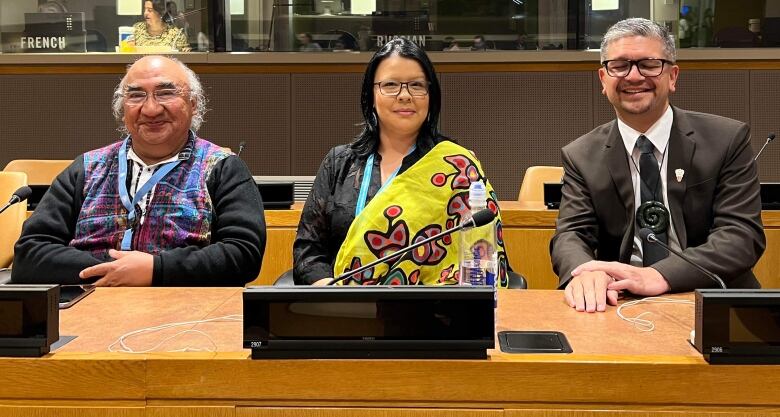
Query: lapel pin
<point>679,174</point>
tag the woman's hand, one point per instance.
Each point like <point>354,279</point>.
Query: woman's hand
<point>323,282</point>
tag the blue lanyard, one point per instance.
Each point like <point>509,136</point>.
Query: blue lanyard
<point>125,196</point>
<point>361,201</point>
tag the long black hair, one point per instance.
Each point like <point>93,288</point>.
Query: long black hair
<point>367,141</point>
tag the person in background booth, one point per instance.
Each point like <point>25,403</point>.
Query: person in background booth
<point>154,31</point>
<point>307,43</point>
<point>687,177</point>
<point>174,17</point>
<point>479,43</point>
<point>398,181</point>
<point>160,207</point>
<point>54,6</point>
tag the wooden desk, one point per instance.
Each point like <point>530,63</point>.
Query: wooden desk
<point>614,368</point>
<point>527,233</point>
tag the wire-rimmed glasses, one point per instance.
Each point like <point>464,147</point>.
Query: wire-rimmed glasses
<point>161,96</point>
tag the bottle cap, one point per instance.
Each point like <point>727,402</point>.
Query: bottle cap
<point>477,194</point>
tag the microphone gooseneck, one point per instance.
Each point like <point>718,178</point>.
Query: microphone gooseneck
<point>770,137</point>
<point>647,235</point>
<point>479,218</point>
<point>240,148</point>
<point>23,193</point>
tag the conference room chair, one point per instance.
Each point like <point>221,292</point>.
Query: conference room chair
<point>10,220</point>
<point>532,187</point>
<point>39,171</point>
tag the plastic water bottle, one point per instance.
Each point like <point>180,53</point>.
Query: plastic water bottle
<point>478,256</point>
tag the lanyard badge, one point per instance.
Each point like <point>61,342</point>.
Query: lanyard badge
<point>134,213</point>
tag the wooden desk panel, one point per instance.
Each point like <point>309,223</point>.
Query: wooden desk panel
<point>605,349</point>
<point>614,367</point>
<point>528,229</point>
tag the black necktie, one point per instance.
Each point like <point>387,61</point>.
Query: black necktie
<point>651,190</point>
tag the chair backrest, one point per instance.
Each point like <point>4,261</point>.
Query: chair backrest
<point>10,220</point>
<point>532,188</point>
<point>39,171</point>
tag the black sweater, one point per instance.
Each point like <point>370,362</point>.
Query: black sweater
<point>330,208</point>
<point>234,257</point>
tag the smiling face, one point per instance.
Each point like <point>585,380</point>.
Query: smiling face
<point>404,114</point>
<point>158,130</point>
<point>638,101</point>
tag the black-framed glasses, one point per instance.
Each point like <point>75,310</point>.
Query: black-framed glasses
<point>648,67</point>
<point>161,96</point>
<point>393,88</point>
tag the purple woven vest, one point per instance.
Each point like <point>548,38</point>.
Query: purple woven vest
<point>178,215</point>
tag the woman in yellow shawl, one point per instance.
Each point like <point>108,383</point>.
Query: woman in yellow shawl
<point>399,182</point>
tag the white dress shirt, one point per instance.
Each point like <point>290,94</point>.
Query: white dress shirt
<point>658,134</point>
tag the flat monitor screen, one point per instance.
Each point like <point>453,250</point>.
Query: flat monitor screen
<point>53,32</point>
<point>410,22</point>
<point>369,314</point>
<point>327,7</point>
<point>38,191</point>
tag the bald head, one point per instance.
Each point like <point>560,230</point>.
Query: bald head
<point>158,102</point>
<point>157,65</point>
<point>173,71</point>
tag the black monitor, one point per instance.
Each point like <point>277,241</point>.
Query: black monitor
<point>328,7</point>
<point>53,32</point>
<point>770,31</point>
<point>35,197</point>
<point>276,194</point>
<point>369,322</point>
<point>770,195</point>
<point>553,195</point>
<point>400,23</point>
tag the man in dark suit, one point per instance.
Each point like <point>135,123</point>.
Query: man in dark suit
<point>689,177</point>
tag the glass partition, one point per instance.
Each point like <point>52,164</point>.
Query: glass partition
<point>456,26</point>
<point>42,26</point>
<point>489,25</point>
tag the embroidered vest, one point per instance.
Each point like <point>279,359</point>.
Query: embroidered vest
<point>179,214</point>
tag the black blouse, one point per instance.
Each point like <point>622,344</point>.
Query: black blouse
<point>330,208</point>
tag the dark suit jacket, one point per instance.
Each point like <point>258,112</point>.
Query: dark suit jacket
<point>716,208</point>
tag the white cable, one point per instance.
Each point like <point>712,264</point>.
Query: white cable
<point>125,348</point>
<point>645,325</point>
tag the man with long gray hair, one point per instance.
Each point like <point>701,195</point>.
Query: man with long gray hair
<point>160,207</point>
<point>686,178</point>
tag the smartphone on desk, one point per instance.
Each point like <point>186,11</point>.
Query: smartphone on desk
<point>72,294</point>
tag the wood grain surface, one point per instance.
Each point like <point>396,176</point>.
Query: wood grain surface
<point>528,229</point>
<point>614,367</point>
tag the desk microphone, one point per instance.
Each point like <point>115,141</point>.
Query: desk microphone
<point>19,195</point>
<point>769,138</point>
<point>479,218</point>
<point>240,148</point>
<point>648,235</point>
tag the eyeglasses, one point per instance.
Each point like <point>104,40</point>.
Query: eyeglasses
<point>393,88</point>
<point>161,96</point>
<point>648,67</point>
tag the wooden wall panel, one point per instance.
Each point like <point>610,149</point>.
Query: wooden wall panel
<point>290,119</point>
<point>764,110</point>
<point>325,111</point>
<point>55,117</point>
<point>255,109</point>
<point>513,120</point>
